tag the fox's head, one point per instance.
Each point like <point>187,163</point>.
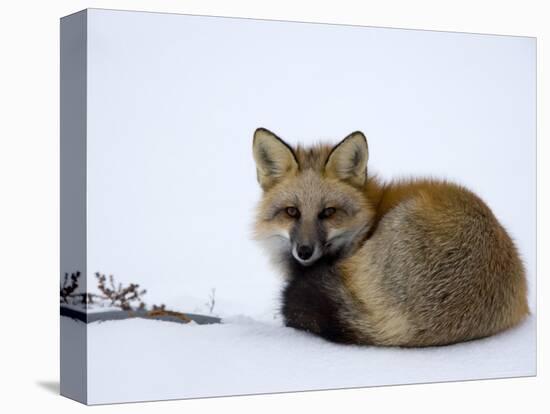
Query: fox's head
<point>314,203</point>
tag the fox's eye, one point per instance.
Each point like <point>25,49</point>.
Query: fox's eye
<point>327,212</point>
<point>293,212</point>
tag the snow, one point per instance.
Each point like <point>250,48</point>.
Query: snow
<point>141,360</point>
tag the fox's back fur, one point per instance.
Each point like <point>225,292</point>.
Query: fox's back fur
<point>414,262</point>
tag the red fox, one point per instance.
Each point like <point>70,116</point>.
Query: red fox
<point>416,262</point>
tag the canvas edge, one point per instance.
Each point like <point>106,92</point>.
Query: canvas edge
<point>73,97</point>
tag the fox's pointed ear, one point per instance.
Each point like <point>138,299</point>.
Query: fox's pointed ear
<point>348,160</point>
<point>274,158</point>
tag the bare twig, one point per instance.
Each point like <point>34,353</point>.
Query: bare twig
<point>67,289</point>
<point>121,297</point>
<point>211,300</point>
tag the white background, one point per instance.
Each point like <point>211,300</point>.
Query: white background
<point>173,102</point>
<point>30,201</point>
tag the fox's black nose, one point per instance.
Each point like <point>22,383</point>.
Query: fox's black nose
<point>305,252</point>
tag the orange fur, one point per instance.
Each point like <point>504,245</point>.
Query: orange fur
<point>422,262</point>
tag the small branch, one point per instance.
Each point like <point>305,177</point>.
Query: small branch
<point>212,300</point>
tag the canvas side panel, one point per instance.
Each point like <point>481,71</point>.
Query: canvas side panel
<point>73,202</point>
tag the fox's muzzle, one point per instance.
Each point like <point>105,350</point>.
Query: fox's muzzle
<point>306,254</point>
<point>304,251</point>
<point>306,237</point>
